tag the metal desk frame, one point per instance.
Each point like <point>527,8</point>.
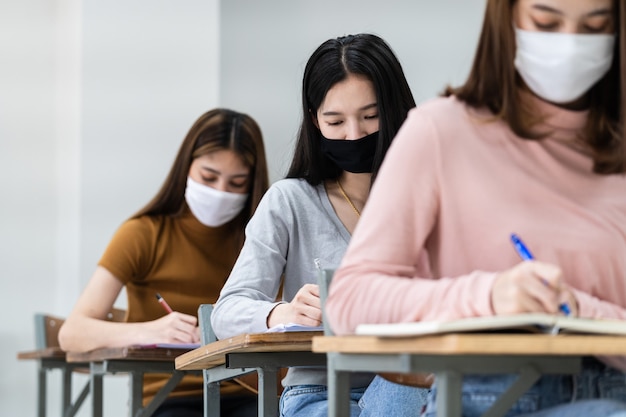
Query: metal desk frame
<point>450,356</point>
<point>264,353</point>
<point>449,371</point>
<point>134,361</point>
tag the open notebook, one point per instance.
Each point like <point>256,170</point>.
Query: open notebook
<point>520,322</point>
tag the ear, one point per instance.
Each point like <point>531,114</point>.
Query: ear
<point>314,119</point>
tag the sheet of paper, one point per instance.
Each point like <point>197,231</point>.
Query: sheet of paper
<point>170,345</point>
<point>292,327</point>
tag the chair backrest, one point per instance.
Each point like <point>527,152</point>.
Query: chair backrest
<point>47,327</point>
<point>324,277</point>
<point>117,315</point>
<point>204,322</point>
<point>47,330</point>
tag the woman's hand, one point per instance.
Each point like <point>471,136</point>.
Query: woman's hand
<point>304,309</point>
<point>531,287</point>
<point>174,327</point>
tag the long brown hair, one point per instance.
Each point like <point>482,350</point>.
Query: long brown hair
<point>215,130</point>
<point>494,83</point>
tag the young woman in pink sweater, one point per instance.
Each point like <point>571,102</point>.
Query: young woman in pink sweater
<point>534,144</point>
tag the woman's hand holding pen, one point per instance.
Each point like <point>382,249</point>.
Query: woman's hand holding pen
<point>304,309</point>
<point>532,287</point>
<point>174,327</point>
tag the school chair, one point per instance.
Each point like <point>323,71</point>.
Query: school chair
<point>249,380</point>
<point>50,356</point>
<point>324,277</point>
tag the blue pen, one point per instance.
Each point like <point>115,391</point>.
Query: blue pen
<point>525,254</point>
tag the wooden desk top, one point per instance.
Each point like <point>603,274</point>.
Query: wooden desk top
<point>476,344</point>
<point>135,353</point>
<point>46,353</point>
<point>214,354</point>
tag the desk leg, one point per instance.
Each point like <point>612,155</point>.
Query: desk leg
<point>211,397</point>
<point>449,394</point>
<point>66,389</point>
<point>527,378</point>
<point>41,392</point>
<point>338,389</point>
<point>160,396</point>
<point>136,392</point>
<point>95,387</point>
<point>268,393</point>
<point>73,408</point>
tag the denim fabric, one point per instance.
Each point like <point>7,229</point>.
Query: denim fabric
<point>385,398</point>
<point>598,390</point>
<point>312,401</point>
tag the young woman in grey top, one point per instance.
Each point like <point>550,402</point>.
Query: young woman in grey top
<point>354,99</point>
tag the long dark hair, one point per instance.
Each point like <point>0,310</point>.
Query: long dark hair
<point>363,54</point>
<point>494,83</point>
<point>215,130</point>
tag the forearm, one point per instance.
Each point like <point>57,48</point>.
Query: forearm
<point>361,296</point>
<point>236,315</point>
<point>82,334</point>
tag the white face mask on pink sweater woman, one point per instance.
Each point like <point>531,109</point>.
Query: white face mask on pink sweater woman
<point>213,207</point>
<point>562,67</point>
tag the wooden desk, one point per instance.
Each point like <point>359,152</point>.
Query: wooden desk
<point>264,352</point>
<point>451,356</point>
<point>136,361</point>
<point>54,358</point>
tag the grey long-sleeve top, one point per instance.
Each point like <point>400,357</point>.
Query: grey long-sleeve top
<point>293,225</point>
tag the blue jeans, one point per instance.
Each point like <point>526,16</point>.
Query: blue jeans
<point>312,401</point>
<point>598,390</point>
<point>385,398</point>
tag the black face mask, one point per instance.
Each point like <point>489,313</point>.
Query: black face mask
<point>355,156</point>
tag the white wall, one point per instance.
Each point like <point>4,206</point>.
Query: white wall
<point>27,188</point>
<point>265,46</point>
<point>96,96</point>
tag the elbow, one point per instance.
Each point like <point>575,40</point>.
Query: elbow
<point>336,314</point>
<point>217,329</point>
<point>65,338</point>
<point>69,338</point>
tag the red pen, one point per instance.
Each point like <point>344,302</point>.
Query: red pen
<point>163,303</point>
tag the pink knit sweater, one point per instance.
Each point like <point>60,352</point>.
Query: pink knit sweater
<point>454,186</point>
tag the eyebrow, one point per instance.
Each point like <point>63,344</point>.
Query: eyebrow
<point>336,113</point>
<point>216,172</point>
<point>597,12</point>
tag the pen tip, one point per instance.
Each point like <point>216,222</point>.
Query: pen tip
<point>158,296</point>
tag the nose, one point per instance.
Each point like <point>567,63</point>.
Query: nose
<point>221,185</point>
<point>355,130</point>
<point>571,28</point>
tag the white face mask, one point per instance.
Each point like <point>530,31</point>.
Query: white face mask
<point>213,207</point>
<point>562,67</point>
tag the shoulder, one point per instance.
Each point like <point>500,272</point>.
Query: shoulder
<point>441,109</point>
<point>293,186</point>
<point>444,121</point>
<point>289,199</point>
<point>291,189</point>
<point>139,228</point>
<point>141,224</point>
